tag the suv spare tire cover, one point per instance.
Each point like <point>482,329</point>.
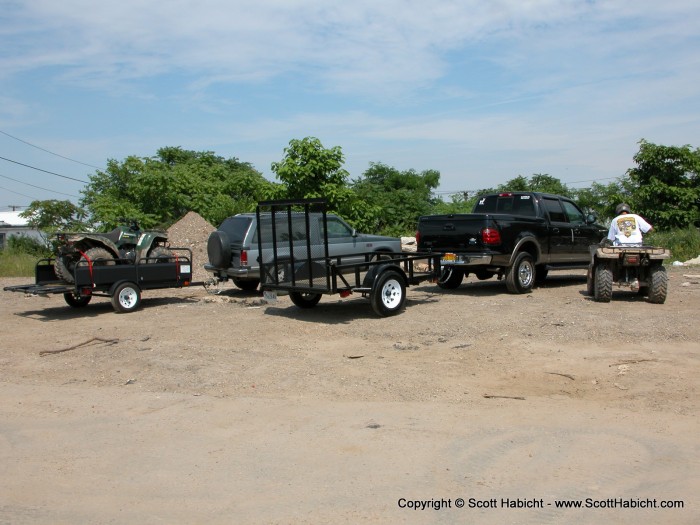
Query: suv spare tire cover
<point>219,249</point>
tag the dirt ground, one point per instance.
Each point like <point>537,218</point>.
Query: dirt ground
<point>204,408</point>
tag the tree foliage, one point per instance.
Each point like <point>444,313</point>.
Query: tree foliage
<point>309,170</point>
<point>51,216</point>
<point>157,191</point>
<point>666,185</point>
<point>398,197</point>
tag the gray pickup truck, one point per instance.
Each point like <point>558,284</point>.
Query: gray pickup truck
<point>233,248</point>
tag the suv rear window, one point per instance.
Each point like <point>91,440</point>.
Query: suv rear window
<point>236,227</point>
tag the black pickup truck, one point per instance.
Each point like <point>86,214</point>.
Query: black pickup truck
<point>519,235</point>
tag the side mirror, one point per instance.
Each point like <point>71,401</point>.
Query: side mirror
<point>591,218</point>
<point>354,232</point>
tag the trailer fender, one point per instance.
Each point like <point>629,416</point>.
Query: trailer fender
<point>378,269</point>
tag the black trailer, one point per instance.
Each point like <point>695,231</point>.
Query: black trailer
<point>120,280</point>
<point>291,264</point>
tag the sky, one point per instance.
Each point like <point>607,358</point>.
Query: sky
<point>482,91</point>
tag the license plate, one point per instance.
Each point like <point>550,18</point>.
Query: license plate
<point>270,296</point>
<point>449,257</point>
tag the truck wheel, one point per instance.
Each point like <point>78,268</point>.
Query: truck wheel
<point>602,285</point>
<point>77,301</point>
<point>305,300</point>
<point>388,294</point>
<point>126,298</point>
<point>160,254</point>
<point>521,276</point>
<point>658,286</point>
<point>450,278</point>
<point>246,285</point>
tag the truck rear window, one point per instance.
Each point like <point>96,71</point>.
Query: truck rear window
<point>515,204</point>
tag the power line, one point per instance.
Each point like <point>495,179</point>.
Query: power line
<point>47,151</point>
<point>45,171</point>
<point>38,187</point>
<point>18,193</point>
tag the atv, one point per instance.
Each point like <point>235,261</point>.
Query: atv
<point>638,268</point>
<point>126,244</point>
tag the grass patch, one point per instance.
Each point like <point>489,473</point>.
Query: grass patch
<point>684,244</point>
<point>17,264</point>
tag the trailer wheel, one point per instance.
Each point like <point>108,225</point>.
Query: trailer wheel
<point>126,298</point>
<point>658,286</point>
<point>602,284</point>
<point>305,300</point>
<point>77,301</point>
<point>450,278</point>
<point>521,275</point>
<point>389,293</point>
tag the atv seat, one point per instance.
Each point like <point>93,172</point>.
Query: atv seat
<point>114,235</point>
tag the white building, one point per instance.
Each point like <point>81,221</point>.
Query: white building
<point>11,224</point>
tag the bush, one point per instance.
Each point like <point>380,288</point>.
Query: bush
<point>683,243</point>
<point>28,245</point>
<point>20,255</point>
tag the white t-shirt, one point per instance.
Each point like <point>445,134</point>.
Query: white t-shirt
<point>627,229</point>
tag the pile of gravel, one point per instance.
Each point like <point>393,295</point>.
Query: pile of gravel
<point>192,231</point>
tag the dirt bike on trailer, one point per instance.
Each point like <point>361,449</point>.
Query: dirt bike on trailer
<point>126,244</point>
<point>637,268</point>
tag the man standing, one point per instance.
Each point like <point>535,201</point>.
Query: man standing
<point>626,229</point>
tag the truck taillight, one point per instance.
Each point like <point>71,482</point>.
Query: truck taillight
<point>490,236</point>
<point>417,238</point>
<point>244,258</point>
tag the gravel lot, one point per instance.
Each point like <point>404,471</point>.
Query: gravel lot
<point>221,408</point>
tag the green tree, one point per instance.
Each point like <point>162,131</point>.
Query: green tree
<point>604,198</point>
<point>309,170</point>
<point>540,182</point>
<point>159,190</point>
<point>397,197</point>
<point>51,216</point>
<point>666,185</point>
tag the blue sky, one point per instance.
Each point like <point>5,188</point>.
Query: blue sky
<point>482,91</point>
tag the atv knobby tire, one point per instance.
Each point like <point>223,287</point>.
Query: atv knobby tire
<point>96,256</point>
<point>602,285</point>
<point>160,254</point>
<point>658,285</point>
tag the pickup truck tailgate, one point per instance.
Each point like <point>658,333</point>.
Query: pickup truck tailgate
<point>460,233</point>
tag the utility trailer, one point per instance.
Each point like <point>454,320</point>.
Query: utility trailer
<point>291,264</point>
<point>123,283</point>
